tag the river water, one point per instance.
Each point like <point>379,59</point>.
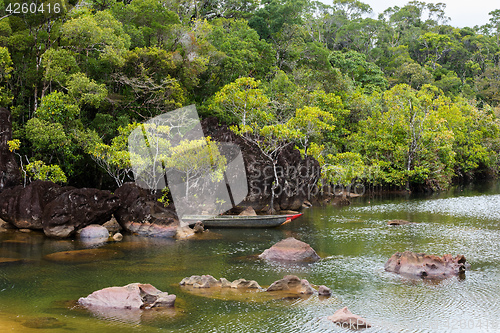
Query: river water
<point>353,241</point>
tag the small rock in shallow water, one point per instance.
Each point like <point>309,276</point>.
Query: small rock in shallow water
<point>117,237</point>
<point>324,291</point>
<point>290,249</point>
<point>346,319</point>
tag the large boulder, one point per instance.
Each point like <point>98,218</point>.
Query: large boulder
<point>131,296</point>
<point>76,209</point>
<point>23,206</point>
<point>141,213</point>
<point>290,249</point>
<point>346,319</point>
<point>9,170</point>
<point>426,266</point>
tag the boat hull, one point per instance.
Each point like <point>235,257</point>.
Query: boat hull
<point>230,221</point>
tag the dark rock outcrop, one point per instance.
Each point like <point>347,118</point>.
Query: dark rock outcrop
<point>290,249</point>
<point>131,296</point>
<point>346,319</point>
<point>78,208</point>
<point>9,170</point>
<point>23,206</point>
<point>297,176</point>
<point>141,213</point>
<point>421,265</point>
<point>151,230</point>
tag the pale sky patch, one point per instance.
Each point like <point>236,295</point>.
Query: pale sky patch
<point>463,13</point>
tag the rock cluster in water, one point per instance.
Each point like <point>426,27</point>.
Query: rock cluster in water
<point>426,266</point>
<point>290,249</point>
<point>289,283</point>
<point>208,281</point>
<point>131,296</point>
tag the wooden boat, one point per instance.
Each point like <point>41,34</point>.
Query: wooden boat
<point>237,221</point>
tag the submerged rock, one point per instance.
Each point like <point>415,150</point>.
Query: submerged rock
<point>4,261</point>
<point>81,256</point>
<point>290,249</point>
<point>426,266</point>
<point>399,222</point>
<point>131,296</point>
<point>43,323</point>
<point>346,319</point>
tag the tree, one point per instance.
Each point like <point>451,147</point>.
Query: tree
<point>197,159</point>
<point>409,139</point>
<point>363,73</point>
<point>100,33</point>
<point>5,74</point>
<point>113,158</point>
<point>312,124</point>
<point>243,100</point>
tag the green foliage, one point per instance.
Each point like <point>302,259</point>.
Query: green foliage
<point>282,71</point>
<point>86,91</point>
<point>58,64</point>
<point>354,65</point>
<point>196,159</point>
<point>99,32</point>
<point>5,74</point>
<point>113,158</point>
<point>242,101</point>
<point>37,170</point>
<point>58,107</point>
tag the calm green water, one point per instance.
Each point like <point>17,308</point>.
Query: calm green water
<point>353,241</point>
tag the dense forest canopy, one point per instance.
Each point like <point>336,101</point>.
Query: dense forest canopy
<point>404,99</point>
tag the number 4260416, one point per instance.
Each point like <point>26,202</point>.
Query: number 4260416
<point>32,8</point>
